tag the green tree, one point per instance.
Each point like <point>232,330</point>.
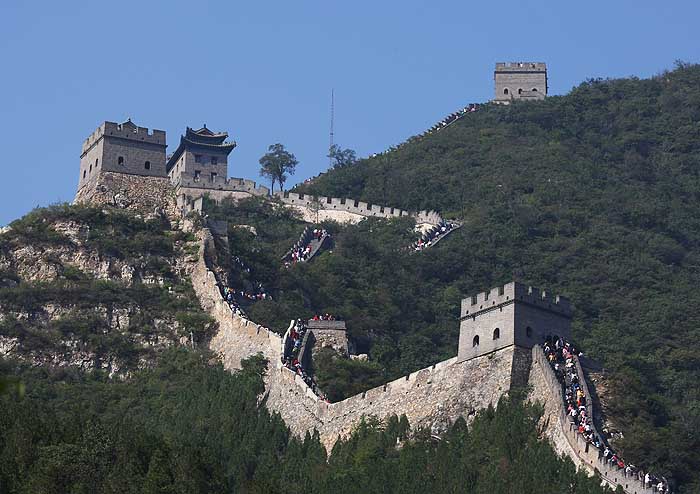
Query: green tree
<point>276,164</point>
<point>341,157</point>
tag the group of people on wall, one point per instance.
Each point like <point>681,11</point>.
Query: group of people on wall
<point>432,236</point>
<point>562,357</point>
<point>291,357</point>
<point>304,251</point>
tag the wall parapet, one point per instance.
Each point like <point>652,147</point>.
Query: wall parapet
<point>589,455</point>
<point>511,292</point>
<point>355,207</point>
<point>223,184</point>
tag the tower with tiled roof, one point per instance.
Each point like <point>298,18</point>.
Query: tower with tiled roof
<point>202,156</point>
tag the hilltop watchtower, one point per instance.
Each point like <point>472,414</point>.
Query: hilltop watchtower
<point>201,156</point>
<point>513,314</point>
<point>123,148</point>
<point>520,81</point>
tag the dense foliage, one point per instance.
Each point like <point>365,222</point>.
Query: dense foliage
<point>593,194</point>
<point>190,427</point>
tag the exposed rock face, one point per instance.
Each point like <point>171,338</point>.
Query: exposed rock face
<point>67,303</point>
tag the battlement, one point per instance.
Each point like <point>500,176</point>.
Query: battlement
<point>511,293</point>
<point>127,130</point>
<point>521,67</point>
<point>354,206</point>
<point>223,184</point>
<point>326,325</point>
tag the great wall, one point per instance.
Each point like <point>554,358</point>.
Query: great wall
<point>431,398</point>
<point>501,330</point>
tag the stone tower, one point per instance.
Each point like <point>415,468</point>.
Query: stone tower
<point>122,148</point>
<point>201,156</point>
<point>511,315</point>
<point>520,81</point>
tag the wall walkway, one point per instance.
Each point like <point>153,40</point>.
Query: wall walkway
<point>563,433</point>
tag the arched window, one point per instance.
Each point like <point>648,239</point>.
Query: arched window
<point>496,333</point>
<point>520,90</point>
<point>147,165</point>
<point>528,332</point>
<point>505,91</point>
<point>534,89</point>
<point>90,168</point>
<point>120,160</point>
<point>475,343</point>
<point>84,173</point>
<point>97,162</point>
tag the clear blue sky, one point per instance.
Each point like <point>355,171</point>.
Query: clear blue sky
<point>263,71</point>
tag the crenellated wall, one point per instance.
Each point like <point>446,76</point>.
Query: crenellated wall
<point>545,388</point>
<point>431,398</point>
<point>348,210</point>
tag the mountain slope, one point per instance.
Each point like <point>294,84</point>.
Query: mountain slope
<point>593,194</point>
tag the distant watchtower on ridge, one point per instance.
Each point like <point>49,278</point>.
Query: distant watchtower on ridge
<point>520,81</point>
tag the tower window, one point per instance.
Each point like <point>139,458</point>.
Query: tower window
<point>147,165</point>
<point>120,160</point>
<point>534,89</point>
<point>196,175</point>
<point>475,342</point>
<point>90,168</point>
<point>520,90</point>
<point>505,91</point>
<point>496,333</point>
<point>528,332</point>
<point>84,173</point>
<point>97,162</point>
<point>213,176</point>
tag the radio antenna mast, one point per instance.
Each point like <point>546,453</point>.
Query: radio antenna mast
<point>330,147</point>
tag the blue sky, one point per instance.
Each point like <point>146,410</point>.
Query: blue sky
<point>263,71</point>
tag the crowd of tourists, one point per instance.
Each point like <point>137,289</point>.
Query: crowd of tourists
<point>303,251</point>
<point>291,357</point>
<point>562,357</point>
<point>434,234</point>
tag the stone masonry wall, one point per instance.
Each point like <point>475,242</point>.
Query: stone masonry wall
<point>145,195</point>
<point>349,210</point>
<point>562,433</point>
<point>433,397</point>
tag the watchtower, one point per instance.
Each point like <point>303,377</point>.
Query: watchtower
<point>202,156</point>
<point>513,314</point>
<point>123,148</point>
<point>520,81</point>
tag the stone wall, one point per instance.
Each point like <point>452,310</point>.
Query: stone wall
<point>123,148</point>
<point>431,398</point>
<point>546,389</point>
<point>520,80</point>
<point>348,210</point>
<point>145,195</point>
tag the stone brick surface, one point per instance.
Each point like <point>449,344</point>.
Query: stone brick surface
<point>144,195</point>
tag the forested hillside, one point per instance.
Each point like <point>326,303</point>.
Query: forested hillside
<point>187,426</point>
<point>595,195</point>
